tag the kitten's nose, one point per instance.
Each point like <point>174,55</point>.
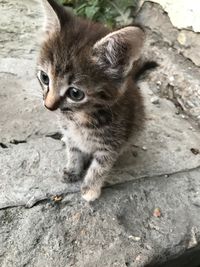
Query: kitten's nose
<point>52,101</point>
<point>52,108</point>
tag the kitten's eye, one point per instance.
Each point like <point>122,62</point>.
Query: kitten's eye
<point>75,94</point>
<point>44,78</point>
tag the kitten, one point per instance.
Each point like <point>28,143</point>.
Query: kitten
<point>86,72</point>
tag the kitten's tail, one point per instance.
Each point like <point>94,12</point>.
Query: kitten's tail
<point>143,68</point>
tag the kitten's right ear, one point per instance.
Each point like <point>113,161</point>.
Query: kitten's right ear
<point>116,52</point>
<point>55,16</point>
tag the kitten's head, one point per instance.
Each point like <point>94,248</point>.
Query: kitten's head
<point>81,64</point>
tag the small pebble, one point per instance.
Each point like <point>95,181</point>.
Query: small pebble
<point>148,247</point>
<point>155,100</point>
<point>144,148</point>
<point>138,258</point>
<point>195,151</point>
<point>158,82</point>
<point>57,198</point>
<point>134,153</point>
<point>135,238</point>
<point>157,213</point>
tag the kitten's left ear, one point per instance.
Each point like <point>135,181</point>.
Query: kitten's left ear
<point>116,52</point>
<point>55,16</point>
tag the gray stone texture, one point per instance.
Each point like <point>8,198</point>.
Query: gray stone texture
<point>159,172</point>
<point>183,14</point>
<point>178,76</point>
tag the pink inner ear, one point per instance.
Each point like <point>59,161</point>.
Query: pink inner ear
<point>55,14</point>
<point>51,23</point>
<point>124,45</point>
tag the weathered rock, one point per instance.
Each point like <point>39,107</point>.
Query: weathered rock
<point>155,100</point>
<point>36,161</point>
<point>72,233</point>
<point>189,45</point>
<point>20,23</point>
<point>178,77</point>
<point>21,97</point>
<point>120,229</point>
<point>182,13</point>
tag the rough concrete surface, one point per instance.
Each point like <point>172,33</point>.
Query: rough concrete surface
<point>149,211</point>
<point>183,14</point>
<point>177,78</point>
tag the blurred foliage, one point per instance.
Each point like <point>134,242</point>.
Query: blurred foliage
<point>111,13</point>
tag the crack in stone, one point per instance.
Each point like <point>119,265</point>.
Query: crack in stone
<point>16,142</point>
<point>33,201</point>
<point>56,135</point>
<point>168,173</point>
<point>10,73</point>
<point>2,145</point>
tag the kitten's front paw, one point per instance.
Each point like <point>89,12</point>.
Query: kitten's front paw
<point>70,177</point>
<point>90,194</point>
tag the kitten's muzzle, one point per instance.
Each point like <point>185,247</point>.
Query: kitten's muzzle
<point>53,105</point>
<point>52,101</point>
<point>65,109</point>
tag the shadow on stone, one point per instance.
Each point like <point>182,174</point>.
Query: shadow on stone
<point>56,135</point>
<point>190,258</point>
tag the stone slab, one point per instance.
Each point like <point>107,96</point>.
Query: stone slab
<point>177,76</point>
<point>118,230</point>
<point>183,14</point>
<point>121,228</point>
<point>32,169</point>
<point>20,25</point>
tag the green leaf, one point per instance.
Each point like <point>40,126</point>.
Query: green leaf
<point>125,19</point>
<point>90,11</point>
<point>109,12</point>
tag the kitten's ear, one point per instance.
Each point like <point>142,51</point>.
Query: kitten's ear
<point>55,16</point>
<point>116,52</point>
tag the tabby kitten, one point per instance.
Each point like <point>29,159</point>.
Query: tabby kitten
<point>86,72</point>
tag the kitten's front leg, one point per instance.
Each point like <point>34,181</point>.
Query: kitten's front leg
<point>75,164</point>
<point>100,166</point>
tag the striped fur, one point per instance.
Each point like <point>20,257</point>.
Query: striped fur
<point>90,57</point>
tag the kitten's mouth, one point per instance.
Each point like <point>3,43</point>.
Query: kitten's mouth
<point>65,109</point>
